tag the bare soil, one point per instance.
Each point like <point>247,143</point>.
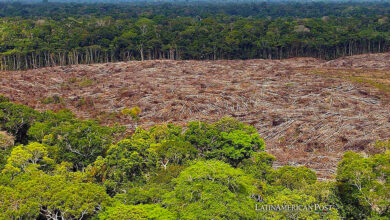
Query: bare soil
<point>309,111</point>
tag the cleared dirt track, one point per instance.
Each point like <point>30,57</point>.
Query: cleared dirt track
<point>308,111</point>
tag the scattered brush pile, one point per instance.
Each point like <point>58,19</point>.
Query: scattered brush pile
<point>307,111</point>
<point>377,61</point>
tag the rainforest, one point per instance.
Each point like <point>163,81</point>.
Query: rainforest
<point>194,110</point>
<point>41,35</point>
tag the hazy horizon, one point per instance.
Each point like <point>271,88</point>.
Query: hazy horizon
<point>187,1</point>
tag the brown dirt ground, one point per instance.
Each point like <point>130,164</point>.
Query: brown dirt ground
<point>309,111</point>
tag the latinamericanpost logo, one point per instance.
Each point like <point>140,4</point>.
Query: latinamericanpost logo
<point>262,207</point>
<point>293,208</point>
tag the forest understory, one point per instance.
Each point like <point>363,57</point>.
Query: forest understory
<point>309,111</point>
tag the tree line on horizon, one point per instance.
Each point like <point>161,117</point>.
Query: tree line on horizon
<point>261,9</point>
<point>67,39</point>
<point>40,43</point>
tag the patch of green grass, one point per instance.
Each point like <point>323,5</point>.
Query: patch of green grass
<point>290,84</point>
<point>86,83</point>
<point>380,86</point>
<point>368,80</point>
<point>52,100</point>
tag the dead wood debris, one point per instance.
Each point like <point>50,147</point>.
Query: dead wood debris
<point>305,119</point>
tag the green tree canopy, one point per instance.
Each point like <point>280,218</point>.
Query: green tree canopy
<point>364,184</point>
<point>212,189</point>
<point>227,140</point>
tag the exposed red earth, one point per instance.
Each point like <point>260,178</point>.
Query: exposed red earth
<point>309,111</point>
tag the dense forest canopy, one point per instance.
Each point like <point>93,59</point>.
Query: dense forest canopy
<point>57,10</point>
<point>55,166</point>
<point>38,35</point>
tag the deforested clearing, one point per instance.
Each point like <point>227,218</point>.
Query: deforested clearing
<point>309,111</point>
